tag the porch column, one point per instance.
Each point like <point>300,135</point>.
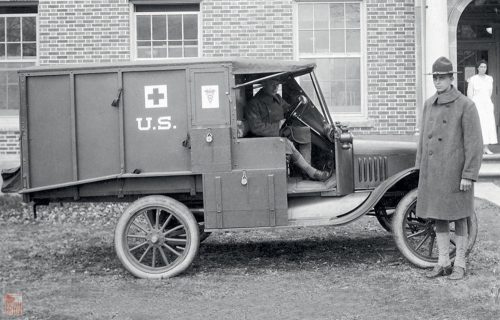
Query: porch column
<point>436,39</point>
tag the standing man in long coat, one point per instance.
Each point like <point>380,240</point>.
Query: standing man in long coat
<point>449,156</point>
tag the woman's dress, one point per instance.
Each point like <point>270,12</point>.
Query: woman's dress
<point>479,90</point>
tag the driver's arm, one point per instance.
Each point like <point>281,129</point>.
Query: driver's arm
<point>255,113</point>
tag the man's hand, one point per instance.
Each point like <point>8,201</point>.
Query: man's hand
<point>465,185</point>
<point>303,99</point>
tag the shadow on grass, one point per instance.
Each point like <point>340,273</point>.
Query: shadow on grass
<point>292,255</point>
<point>252,256</point>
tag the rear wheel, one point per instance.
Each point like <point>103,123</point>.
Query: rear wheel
<point>156,237</point>
<point>416,237</point>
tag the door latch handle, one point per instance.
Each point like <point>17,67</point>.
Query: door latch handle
<point>244,179</point>
<point>209,138</point>
<point>116,102</point>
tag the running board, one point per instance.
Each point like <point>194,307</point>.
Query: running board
<point>304,210</point>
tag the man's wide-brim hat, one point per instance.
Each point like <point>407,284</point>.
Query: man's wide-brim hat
<point>442,66</point>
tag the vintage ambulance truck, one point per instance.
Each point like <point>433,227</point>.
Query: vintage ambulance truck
<point>170,137</point>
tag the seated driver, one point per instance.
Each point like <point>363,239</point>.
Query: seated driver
<point>265,114</point>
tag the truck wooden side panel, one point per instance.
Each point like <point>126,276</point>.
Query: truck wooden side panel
<point>50,126</point>
<point>96,118</point>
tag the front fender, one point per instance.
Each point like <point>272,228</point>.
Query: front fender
<point>410,174</point>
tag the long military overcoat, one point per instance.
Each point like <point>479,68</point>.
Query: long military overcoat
<point>450,148</point>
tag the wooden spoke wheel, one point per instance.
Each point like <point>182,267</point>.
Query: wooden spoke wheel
<point>156,237</point>
<point>416,237</point>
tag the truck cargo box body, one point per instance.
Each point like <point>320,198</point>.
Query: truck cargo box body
<point>93,132</point>
<point>75,133</point>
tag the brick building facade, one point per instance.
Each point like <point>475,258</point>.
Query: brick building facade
<point>367,51</point>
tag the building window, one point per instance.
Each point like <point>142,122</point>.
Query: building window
<point>18,49</point>
<point>330,33</point>
<point>167,31</point>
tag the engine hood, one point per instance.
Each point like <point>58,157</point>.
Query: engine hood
<point>385,145</point>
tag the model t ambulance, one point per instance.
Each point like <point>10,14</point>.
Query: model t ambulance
<point>171,139</point>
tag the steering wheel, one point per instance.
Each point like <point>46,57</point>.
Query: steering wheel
<point>290,114</point>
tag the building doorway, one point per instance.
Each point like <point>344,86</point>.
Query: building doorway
<point>478,38</point>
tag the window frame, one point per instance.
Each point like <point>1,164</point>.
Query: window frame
<point>21,15</point>
<point>355,117</point>
<point>133,32</point>
<point>9,118</point>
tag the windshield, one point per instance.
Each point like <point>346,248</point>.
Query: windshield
<point>314,112</point>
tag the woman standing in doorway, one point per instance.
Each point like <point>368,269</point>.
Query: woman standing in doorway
<point>479,90</point>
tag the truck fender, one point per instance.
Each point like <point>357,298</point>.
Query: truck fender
<point>375,196</point>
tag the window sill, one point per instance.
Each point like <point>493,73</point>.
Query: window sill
<point>354,122</point>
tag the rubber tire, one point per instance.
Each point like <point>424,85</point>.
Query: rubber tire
<point>398,225</point>
<point>385,221</point>
<point>181,212</point>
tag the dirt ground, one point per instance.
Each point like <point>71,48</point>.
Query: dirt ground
<point>66,268</point>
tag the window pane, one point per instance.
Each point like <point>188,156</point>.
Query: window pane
<point>305,16</point>
<point>159,49</point>
<point>352,68</point>
<point>144,52</point>
<point>353,41</point>
<point>159,28</point>
<point>353,95</point>
<point>327,92</point>
<point>174,51</point>
<point>190,26</point>
<point>29,50</point>
<point>2,29</point>
<point>336,15</point>
<point>29,29</point>
<point>2,50</point>
<point>305,41</point>
<point>321,41</point>
<point>160,52</point>
<point>352,15</point>
<point>143,27</point>
<point>338,69</point>
<point>321,16</point>
<point>337,41</point>
<point>144,43</point>
<point>338,94</point>
<point>13,29</point>
<point>175,27</point>
<point>13,50</point>
<point>323,69</point>
<point>191,51</point>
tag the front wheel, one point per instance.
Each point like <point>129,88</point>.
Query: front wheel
<point>156,237</point>
<point>416,237</point>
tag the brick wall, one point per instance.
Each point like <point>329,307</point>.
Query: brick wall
<point>246,28</point>
<point>83,31</point>
<point>391,66</point>
<point>9,143</point>
<point>90,31</point>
